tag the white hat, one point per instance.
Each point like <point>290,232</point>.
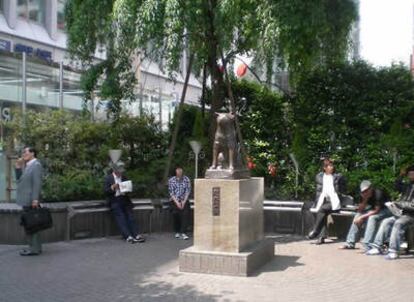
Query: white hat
<point>365,184</point>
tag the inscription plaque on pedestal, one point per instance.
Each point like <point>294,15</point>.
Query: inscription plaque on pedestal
<point>216,201</point>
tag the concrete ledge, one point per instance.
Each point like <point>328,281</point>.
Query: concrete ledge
<point>80,219</point>
<point>240,264</point>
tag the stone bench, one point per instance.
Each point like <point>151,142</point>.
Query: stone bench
<point>94,219</point>
<point>73,220</point>
<point>409,235</point>
<point>76,220</point>
<point>283,217</point>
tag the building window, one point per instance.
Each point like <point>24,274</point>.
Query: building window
<point>1,5</point>
<point>61,14</point>
<point>33,10</point>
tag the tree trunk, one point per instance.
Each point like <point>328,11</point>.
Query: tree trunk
<point>177,124</point>
<point>214,71</point>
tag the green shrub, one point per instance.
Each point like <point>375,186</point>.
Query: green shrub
<point>74,152</point>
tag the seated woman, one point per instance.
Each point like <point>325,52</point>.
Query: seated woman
<point>330,187</point>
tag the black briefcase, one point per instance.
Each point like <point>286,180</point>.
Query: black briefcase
<point>36,219</point>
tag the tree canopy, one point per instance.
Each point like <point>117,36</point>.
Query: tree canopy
<point>302,33</point>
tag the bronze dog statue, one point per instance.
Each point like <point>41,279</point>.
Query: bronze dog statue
<point>224,148</point>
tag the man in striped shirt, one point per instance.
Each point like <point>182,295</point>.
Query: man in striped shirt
<point>179,187</point>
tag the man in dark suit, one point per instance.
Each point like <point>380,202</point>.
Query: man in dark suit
<point>29,185</point>
<point>121,204</point>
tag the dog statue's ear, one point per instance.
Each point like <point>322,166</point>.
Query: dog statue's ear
<point>216,114</point>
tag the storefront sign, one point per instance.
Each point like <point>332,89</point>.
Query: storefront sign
<point>5,114</point>
<point>30,51</point>
<point>5,45</point>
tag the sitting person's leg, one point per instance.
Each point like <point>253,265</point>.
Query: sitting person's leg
<point>121,220</point>
<point>383,234</point>
<point>397,232</point>
<point>177,223</point>
<point>131,223</point>
<point>184,217</point>
<point>353,234</point>
<point>321,218</point>
<point>372,224</point>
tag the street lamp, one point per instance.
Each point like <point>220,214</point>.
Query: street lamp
<point>196,146</point>
<point>115,155</point>
<point>296,164</point>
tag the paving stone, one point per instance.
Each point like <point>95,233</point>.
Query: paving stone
<point>110,270</point>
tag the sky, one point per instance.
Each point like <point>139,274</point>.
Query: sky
<point>386,31</point>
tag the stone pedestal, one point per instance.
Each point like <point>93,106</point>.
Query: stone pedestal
<point>228,228</point>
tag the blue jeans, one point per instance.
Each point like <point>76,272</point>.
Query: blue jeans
<point>370,227</point>
<point>124,218</point>
<point>384,232</point>
<point>398,231</point>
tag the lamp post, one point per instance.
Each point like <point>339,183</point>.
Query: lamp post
<point>196,146</point>
<point>115,155</point>
<point>296,164</point>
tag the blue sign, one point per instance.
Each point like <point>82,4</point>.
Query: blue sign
<point>40,53</point>
<point>43,54</point>
<point>23,48</point>
<point>5,45</point>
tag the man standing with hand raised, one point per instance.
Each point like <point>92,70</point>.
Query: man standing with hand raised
<point>29,186</point>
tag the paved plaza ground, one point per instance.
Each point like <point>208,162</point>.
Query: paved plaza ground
<point>108,270</point>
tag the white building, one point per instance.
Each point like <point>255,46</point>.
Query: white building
<point>49,79</point>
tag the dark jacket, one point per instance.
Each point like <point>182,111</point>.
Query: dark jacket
<point>110,194</point>
<point>406,201</point>
<point>406,189</point>
<point>339,185</point>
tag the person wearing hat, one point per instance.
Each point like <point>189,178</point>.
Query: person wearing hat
<point>330,190</point>
<point>371,210</point>
<point>121,205</point>
<point>393,228</point>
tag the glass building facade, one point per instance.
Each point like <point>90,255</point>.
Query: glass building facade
<point>33,10</point>
<point>60,14</point>
<point>47,87</point>
<point>40,80</point>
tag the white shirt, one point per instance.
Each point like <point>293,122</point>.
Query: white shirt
<point>328,190</point>
<point>118,180</point>
<point>30,162</point>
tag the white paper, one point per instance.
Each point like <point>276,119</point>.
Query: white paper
<point>125,186</point>
<point>396,211</point>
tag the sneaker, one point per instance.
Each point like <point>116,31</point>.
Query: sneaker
<point>139,238</point>
<point>391,256</point>
<point>131,239</point>
<point>321,240</point>
<point>311,235</point>
<point>373,251</point>
<point>184,236</point>
<point>347,246</point>
<point>366,247</point>
<point>177,235</point>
